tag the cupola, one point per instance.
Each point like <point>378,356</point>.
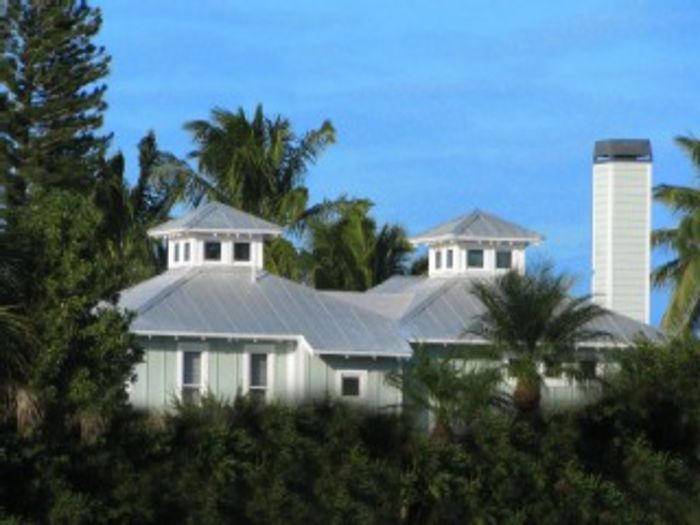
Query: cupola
<point>477,243</point>
<point>216,235</point>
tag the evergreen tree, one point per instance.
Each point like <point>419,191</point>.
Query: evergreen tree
<point>53,102</point>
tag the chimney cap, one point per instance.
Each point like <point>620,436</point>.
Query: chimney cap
<point>627,150</point>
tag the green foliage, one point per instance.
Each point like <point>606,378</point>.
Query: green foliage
<point>53,103</point>
<point>255,165</point>
<point>682,272</point>
<point>84,353</point>
<point>532,318</point>
<point>131,210</point>
<point>346,252</point>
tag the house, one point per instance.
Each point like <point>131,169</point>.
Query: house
<point>216,322</point>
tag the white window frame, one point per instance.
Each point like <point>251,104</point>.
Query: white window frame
<point>203,349</point>
<point>186,251</point>
<point>483,258</point>
<point>438,259</point>
<point>205,260</point>
<point>242,262</point>
<point>360,374</point>
<point>268,350</point>
<point>176,252</point>
<point>505,268</point>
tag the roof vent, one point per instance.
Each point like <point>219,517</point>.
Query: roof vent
<point>626,150</point>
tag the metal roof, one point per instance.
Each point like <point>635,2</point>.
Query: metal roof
<point>230,302</point>
<point>444,310</point>
<point>217,217</point>
<point>478,225</point>
<point>634,150</point>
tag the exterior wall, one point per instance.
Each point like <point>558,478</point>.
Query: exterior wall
<point>294,374</point>
<point>322,380</point>
<point>621,237</point>
<point>460,250</point>
<point>557,393</point>
<point>197,250</point>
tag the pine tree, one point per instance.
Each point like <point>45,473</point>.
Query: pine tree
<point>53,95</point>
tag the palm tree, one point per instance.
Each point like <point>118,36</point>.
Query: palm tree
<point>257,165</point>
<point>682,315</point>
<point>531,317</point>
<point>348,253</point>
<point>131,210</point>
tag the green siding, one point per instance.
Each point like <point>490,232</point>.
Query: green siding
<point>156,378</point>
<point>297,374</point>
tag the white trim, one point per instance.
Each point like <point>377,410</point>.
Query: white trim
<point>231,232</point>
<point>300,339</point>
<point>534,241</point>
<point>484,342</point>
<point>361,375</point>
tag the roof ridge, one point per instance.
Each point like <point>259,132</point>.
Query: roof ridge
<point>432,297</point>
<point>169,289</point>
<point>200,213</point>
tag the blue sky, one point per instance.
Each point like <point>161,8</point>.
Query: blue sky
<point>440,106</point>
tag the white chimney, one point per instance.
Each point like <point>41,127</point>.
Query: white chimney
<point>622,226</point>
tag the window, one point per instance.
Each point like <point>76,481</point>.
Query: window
<point>258,376</point>
<point>351,384</point>
<point>475,258</point>
<point>438,259</point>
<point>450,257</point>
<point>176,253</point>
<point>241,251</point>
<point>191,377</point>
<point>504,260</point>
<point>186,255</point>
<point>212,251</point>
<point>587,368</point>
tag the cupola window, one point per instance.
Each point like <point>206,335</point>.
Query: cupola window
<point>504,260</point>
<point>241,251</point>
<point>475,258</point>
<point>212,251</point>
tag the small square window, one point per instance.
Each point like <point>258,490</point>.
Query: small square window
<point>504,260</point>
<point>186,254</point>
<point>176,252</point>
<point>212,251</point>
<point>475,258</point>
<point>438,259</point>
<point>241,251</point>
<point>350,386</point>
<point>450,258</point>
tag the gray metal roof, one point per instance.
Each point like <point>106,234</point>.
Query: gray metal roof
<point>638,150</point>
<point>444,310</point>
<point>228,302</point>
<point>217,217</point>
<point>479,225</point>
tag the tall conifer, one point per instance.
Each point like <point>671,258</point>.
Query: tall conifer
<point>52,95</point>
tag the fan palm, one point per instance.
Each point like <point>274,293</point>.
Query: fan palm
<point>532,317</point>
<point>682,272</point>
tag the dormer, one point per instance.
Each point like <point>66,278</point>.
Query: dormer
<point>216,235</point>
<point>478,243</point>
